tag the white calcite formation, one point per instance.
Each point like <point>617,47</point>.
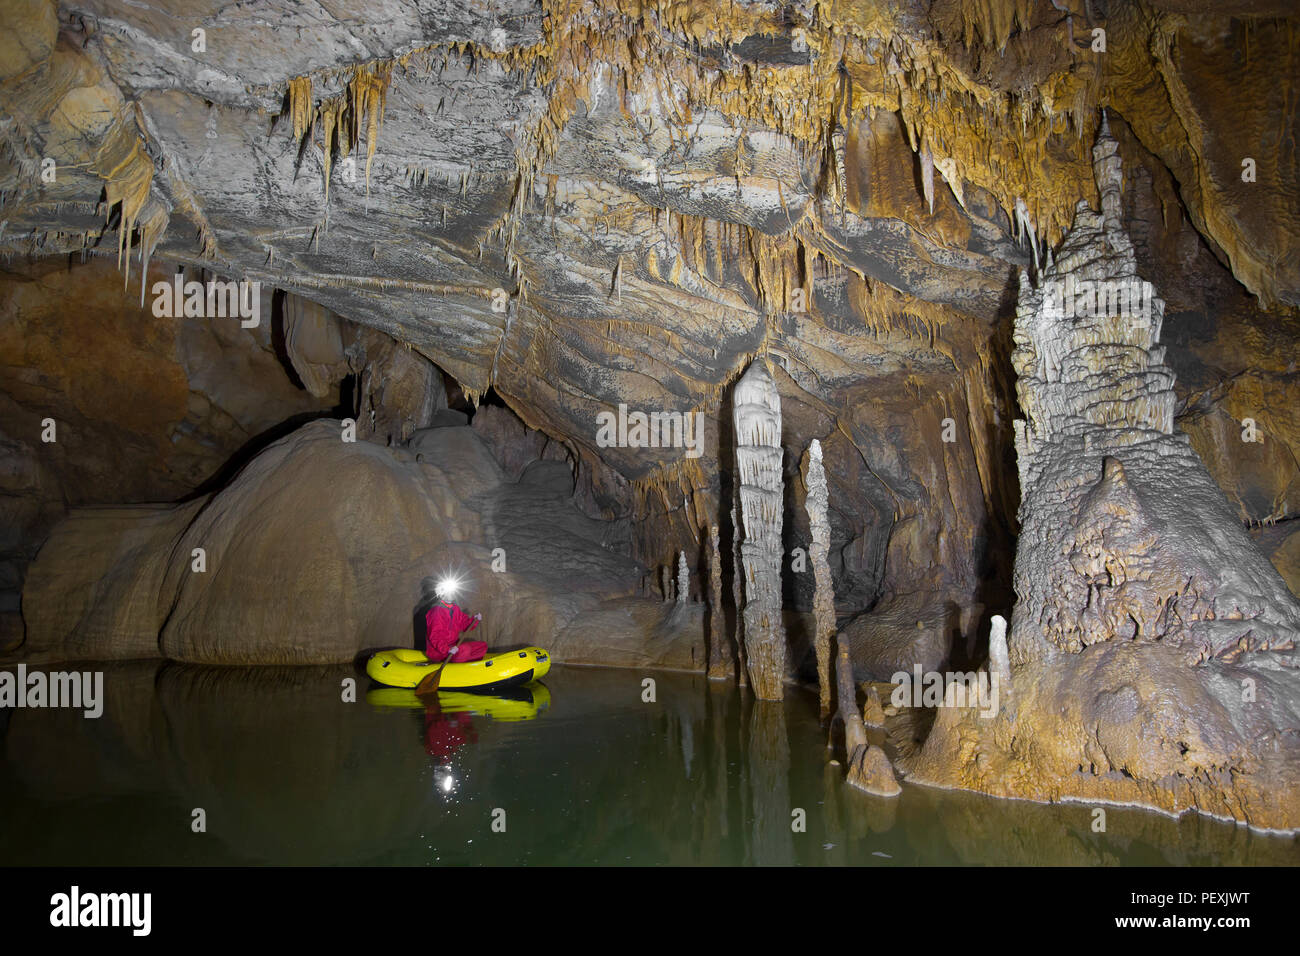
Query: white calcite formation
<point>1152,646</point>
<point>999,663</point>
<point>815,504</point>
<point>1124,535</point>
<point>757,418</point>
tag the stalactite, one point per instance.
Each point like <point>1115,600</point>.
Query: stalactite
<point>816,504</point>
<point>153,223</point>
<point>927,176</point>
<point>757,420</point>
<point>369,90</point>
<point>300,107</point>
<point>128,175</point>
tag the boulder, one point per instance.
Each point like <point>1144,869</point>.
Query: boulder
<point>317,548</point>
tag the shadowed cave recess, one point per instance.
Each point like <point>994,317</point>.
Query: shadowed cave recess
<point>801,345</point>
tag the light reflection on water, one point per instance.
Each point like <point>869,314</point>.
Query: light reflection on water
<point>581,772</point>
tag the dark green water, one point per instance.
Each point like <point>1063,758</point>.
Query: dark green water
<point>288,773</point>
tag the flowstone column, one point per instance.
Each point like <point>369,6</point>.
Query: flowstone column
<point>757,419</point>
<point>824,595</point>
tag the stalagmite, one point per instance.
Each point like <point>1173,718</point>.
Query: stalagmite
<point>1143,608</point>
<point>824,596</point>
<point>999,665</point>
<point>720,657</point>
<point>868,766</point>
<point>666,582</point>
<point>757,419</point>
<point>1120,519</point>
<point>873,711</point>
<point>683,579</point>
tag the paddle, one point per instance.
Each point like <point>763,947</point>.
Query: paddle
<point>429,684</point>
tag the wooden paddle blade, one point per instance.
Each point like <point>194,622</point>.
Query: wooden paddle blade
<point>429,684</point>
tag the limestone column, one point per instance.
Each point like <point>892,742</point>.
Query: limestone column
<point>824,595</point>
<point>757,419</point>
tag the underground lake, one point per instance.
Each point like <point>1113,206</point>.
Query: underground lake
<point>582,770</point>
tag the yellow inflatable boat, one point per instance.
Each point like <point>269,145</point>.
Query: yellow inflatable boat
<point>521,703</point>
<point>402,667</point>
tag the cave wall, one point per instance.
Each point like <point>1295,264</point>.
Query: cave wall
<point>144,409</point>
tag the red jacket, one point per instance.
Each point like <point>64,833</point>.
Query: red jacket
<point>443,625</point>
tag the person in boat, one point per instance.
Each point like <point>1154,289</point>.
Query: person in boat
<point>446,625</point>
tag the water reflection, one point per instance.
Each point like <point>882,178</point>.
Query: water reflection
<point>288,771</point>
<point>519,703</point>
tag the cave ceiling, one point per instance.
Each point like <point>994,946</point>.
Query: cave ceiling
<point>651,184</point>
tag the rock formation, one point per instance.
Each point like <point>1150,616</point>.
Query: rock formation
<point>1098,400</point>
<point>756,412</point>
<point>999,658</point>
<point>815,504</point>
<point>873,711</point>
<point>1153,648</point>
<point>868,765</point>
<point>721,659</point>
<point>683,579</point>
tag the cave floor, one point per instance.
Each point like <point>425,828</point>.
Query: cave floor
<point>286,771</point>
